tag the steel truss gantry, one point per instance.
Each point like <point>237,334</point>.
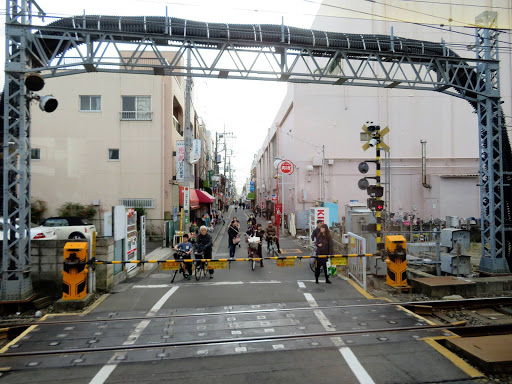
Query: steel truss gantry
<point>54,51</point>
<point>495,209</point>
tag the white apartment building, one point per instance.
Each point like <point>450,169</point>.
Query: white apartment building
<point>112,141</point>
<point>314,115</point>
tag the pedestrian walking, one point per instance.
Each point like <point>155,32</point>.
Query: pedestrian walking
<point>237,223</point>
<point>233,238</point>
<point>324,247</point>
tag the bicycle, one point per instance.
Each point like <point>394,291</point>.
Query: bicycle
<point>200,266</point>
<point>252,250</point>
<point>271,246</point>
<point>180,255</point>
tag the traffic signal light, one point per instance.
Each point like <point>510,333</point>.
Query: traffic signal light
<point>375,191</point>
<point>375,205</point>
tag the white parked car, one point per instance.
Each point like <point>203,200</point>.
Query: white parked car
<point>36,232</point>
<point>69,227</point>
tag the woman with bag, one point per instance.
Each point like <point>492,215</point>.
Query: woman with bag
<point>324,247</point>
<point>233,238</point>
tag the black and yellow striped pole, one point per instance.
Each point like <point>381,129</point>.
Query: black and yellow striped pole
<point>378,214</point>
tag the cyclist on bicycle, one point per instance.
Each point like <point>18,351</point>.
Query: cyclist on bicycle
<point>186,247</point>
<point>271,236</point>
<point>205,242</point>
<point>259,232</point>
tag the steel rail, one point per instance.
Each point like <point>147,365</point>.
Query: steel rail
<point>256,339</point>
<point>441,304</point>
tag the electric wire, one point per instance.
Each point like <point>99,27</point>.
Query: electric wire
<point>396,19</point>
<point>454,4</point>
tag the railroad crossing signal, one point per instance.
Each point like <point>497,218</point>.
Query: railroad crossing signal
<point>375,205</point>
<point>375,136</point>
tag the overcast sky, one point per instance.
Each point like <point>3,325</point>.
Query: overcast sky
<point>246,108</point>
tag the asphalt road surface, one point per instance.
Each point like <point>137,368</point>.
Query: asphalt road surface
<point>225,330</point>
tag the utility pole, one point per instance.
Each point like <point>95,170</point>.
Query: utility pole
<point>188,136</point>
<point>216,166</point>
<point>225,150</point>
<point>323,174</point>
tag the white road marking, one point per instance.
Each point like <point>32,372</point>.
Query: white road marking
<point>301,284</point>
<point>362,376</point>
<point>107,369</point>
<point>265,282</point>
<point>152,286</point>
<point>311,300</point>
<point>217,283</point>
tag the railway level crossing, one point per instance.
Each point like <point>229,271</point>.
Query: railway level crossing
<point>268,53</point>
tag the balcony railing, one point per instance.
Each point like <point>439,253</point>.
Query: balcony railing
<point>132,115</point>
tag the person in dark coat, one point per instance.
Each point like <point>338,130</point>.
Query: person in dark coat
<point>233,233</point>
<point>252,220</point>
<point>316,231</point>
<point>205,242</point>
<point>324,246</point>
<point>272,236</point>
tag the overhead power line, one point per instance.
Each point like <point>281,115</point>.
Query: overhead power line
<point>454,4</point>
<point>395,19</point>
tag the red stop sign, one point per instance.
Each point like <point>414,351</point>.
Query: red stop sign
<point>287,167</point>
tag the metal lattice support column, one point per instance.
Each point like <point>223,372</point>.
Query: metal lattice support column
<point>16,284</point>
<point>490,123</point>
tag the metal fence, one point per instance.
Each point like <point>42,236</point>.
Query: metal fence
<point>357,265</point>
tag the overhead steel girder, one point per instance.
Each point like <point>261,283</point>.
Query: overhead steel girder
<point>96,51</point>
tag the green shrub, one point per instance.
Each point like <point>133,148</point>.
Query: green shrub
<point>77,209</point>
<point>37,210</point>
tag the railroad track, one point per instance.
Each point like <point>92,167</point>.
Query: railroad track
<point>419,307</point>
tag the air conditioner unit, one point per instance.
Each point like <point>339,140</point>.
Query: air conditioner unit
<point>317,161</point>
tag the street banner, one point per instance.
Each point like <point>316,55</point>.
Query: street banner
<point>195,155</point>
<point>180,161</point>
<point>186,203</point>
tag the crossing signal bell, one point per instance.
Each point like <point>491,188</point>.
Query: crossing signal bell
<point>34,82</point>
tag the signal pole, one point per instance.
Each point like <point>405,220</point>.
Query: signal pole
<point>188,136</point>
<point>377,163</point>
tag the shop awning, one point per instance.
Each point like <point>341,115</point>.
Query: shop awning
<point>205,197</point>
<point>194,199</point>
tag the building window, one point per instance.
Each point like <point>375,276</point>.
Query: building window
<point>90,103</point>
<point>136,108</point>
<point>138,203</point>
<point>35,154</point>
<point>177,126</point>
<point>113,154</point>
